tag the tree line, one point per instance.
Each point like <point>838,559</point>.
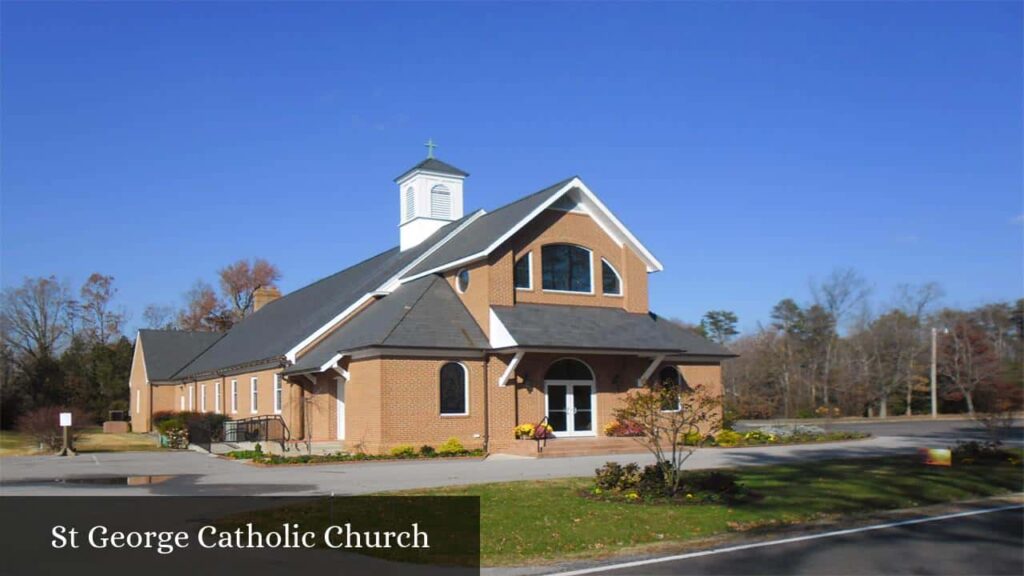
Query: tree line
<point>65,347</point>
<point>840,354</point>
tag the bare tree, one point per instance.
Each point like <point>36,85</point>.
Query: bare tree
<point>203,310</point>
<point>841,293</point>
<point>240,281</point>
<point>158,317</point>
<point>100,322</point>
<point>35,317</point>
<point>968,360</point>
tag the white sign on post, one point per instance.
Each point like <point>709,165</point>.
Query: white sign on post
<point>65,419</point>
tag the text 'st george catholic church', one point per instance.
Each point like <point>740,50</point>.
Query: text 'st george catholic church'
<point>475,323</point>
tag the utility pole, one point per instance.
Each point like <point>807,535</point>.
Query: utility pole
<point>935,399</point>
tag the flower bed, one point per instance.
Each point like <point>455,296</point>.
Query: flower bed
<point>452,448</point>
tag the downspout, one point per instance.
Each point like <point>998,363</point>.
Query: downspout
<point>487,416</point>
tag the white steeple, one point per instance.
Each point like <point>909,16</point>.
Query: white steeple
<point>430,196</point>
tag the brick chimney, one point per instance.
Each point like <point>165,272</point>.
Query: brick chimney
<point>264,296</point>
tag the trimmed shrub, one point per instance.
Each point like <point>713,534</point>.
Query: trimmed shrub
<point>427,451</point>
<point>403,451</point>
<point>451,447</point>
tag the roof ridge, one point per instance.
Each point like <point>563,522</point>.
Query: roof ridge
<point>406,312</point>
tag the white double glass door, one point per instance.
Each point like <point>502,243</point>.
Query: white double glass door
<point>570,407</point>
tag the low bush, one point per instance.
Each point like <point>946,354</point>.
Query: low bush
<point>728,438</point>
<point>43,425</point>
<point>451,447</point>
<point>632,483</point>
<point>759,437</point>
<point>974,452</point>
<point>403,451</point>
<point>623,428</point>
<point>427,451</point>
<point>260,457</point>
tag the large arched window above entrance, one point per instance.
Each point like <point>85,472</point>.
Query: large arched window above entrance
<point>454,390</point>
<point>566,268</point>
<point>569,369</point>
<point>674,386</point>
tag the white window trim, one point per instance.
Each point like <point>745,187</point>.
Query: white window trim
<point>181,403</point>
<point>202,397</point>
<point>617,277</point>
<point>278,394</point>
<point>234,396</point>
<point>469,280</point>
<point>529,274</point>
<point>590,253</point>
<point>191,397</point>
<point>465,382</point>
<point>138,401</point>
<point>254,395</point>
<point>217,400</point>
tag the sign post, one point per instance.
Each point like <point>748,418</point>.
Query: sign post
<point>65,424</point>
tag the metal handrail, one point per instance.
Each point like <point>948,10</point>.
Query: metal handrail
<point>258,429</point>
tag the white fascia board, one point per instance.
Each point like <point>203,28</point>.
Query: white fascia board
<point>384,289</point>
<point>332,362</point>
<point>395,281</point>
<point>652,263</point>
<point>500,336</point>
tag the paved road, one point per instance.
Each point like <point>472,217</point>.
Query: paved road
<point>197,474</point>
<point>987,544</point>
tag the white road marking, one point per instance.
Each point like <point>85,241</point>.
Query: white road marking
<point>95,460</point>
<point>638,563</point>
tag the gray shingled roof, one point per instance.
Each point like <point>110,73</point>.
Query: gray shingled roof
<point>483,231</point>
<point>424,313</point>
<point>435,165</point>
<point>549,326</point>
<point>277,327</point>
<point>166,351</point>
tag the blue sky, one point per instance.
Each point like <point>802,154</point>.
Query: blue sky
<point>751,147</point>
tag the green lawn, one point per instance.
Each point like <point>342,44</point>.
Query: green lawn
<point>16,444</point>
<point>522,522</point>
<point>89,440</point>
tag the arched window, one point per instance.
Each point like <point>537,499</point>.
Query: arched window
<point>454,390</point>
<point>569,369</point>
<point>671,382</point>
<point>611,284</point>
<point>524,272</point>
<point>440,202</point>
<point>410,202</point>
<point>566,268</point>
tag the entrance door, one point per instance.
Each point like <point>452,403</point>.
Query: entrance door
<point>340,425</point>
<point>570,407</point>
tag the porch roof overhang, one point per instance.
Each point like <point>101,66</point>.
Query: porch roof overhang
<point>592,329</point>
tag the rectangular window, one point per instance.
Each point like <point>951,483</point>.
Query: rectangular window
<point>254,391</point>
<point>202,397</point>
<point>216,396</point>
<point>524,272</point>
<point>191,397</point>
<point>138,401</point>
<point>277,393</point>
<point>234,396</point>
<point>182,403</point>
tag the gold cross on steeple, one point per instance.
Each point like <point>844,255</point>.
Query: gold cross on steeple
<point>430,147</point>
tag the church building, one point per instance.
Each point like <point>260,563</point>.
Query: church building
<point>473,324</point>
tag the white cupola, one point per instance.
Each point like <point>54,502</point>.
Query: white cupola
<point>430,196</point>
